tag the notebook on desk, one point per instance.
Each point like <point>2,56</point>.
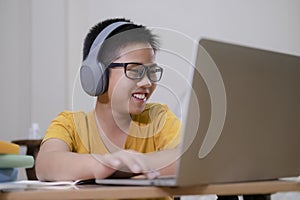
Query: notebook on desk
<point>243,118</point>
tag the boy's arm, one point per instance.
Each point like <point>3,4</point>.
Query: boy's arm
<point>55,162</point>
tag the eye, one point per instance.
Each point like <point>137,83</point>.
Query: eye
<point>155,73</point>
<point>155,69</point>
<point>134,71</point>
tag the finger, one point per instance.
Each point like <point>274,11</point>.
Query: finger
<point>134,161</point>
<point>152,174</point>
<point>142,162</point>
<point>108,160</point>
<point>113,161</point>
<point>131,163</point>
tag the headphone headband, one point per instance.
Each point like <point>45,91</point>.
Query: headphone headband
<point>93,76</point>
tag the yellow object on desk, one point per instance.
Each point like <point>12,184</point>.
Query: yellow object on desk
<point>9,148</point>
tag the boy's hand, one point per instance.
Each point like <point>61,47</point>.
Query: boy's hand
<point>127,161</point>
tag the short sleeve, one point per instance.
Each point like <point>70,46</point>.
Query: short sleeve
<point>169,134</point>
<point>62,127</point>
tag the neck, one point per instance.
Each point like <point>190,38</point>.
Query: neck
<point>110,120</point>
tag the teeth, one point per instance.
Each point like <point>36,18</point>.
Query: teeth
<point>139,96</point>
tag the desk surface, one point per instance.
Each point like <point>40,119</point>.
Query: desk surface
<point>122,192</point>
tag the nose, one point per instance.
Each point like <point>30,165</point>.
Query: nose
<point>144,82</point>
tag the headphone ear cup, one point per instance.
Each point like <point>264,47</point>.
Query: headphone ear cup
<point>93,79</point>
<point>102,85</point>
<point>94,74</point>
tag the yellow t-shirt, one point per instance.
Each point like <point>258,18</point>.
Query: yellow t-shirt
<point>156,128</point>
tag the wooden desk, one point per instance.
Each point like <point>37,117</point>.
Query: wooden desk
<point>122,192</point>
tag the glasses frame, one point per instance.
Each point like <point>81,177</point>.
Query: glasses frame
<point>145,70</point>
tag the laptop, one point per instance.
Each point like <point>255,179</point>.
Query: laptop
<point>243,118</point>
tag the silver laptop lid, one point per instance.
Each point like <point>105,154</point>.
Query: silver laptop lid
<point>246,125</point>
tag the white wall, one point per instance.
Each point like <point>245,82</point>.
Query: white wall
<point>48,60</point>
<point>15,64</point>
<point>33,64</point>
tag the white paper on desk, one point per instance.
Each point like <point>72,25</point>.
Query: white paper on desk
<point>30,184</point>
<point>296,179</point>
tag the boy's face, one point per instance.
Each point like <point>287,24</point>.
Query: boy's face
<point>126,95</point>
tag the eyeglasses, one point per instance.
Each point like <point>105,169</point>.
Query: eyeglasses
<point>137,71</point>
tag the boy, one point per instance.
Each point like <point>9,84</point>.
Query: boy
<point>123,132</point>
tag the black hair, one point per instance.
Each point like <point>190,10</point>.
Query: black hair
<point>128,33</point>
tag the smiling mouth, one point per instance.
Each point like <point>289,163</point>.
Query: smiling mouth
<point>140,96</point>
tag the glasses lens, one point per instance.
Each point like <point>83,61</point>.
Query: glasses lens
<point>154,73</point>
<point>137,71</point>
<point>134,71</point>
